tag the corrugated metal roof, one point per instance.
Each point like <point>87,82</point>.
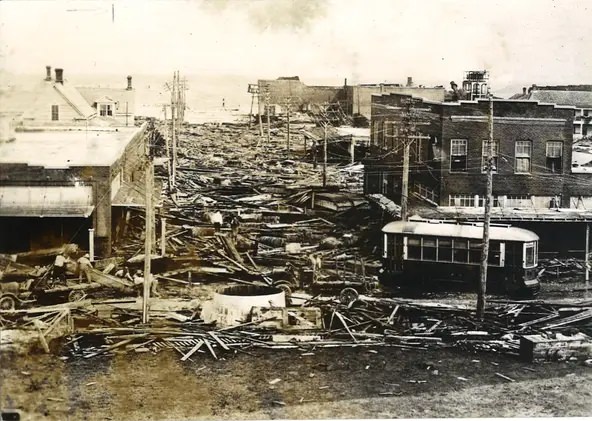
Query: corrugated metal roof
<point>445,229</point>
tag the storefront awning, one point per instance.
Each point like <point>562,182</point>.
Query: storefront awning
<point>46,201</point>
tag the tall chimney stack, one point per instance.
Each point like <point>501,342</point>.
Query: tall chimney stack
<point>129,83</point>
<point>409,81</point>
<point>59,76</point>
<point>48,73</point>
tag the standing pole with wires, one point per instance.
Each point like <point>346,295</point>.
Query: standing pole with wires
<point>482,287</point>
<point>148,232</point>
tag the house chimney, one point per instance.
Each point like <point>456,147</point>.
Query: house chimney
<point>345,82</point>
<point>129,83</point>
<point>59,76</point>
<point>409,81</point>
<point>47,73</point>
<point>524,91</point>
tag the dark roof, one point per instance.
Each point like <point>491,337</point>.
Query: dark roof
<point>579,99</point>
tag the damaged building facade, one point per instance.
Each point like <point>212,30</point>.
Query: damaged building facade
<point>350,99</point>
<point>87,160</point>
<point>532,158</point>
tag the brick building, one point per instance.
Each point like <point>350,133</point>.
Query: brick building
<point>533,182</point>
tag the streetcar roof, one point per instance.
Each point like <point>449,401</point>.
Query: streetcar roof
<point>446,229</point>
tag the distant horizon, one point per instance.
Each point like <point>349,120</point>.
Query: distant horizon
<point>76,77</point>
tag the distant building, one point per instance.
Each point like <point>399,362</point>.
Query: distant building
<point>351,99</point>
<point>578,96</point>
<point>56,102</point>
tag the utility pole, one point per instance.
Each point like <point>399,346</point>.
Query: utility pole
<point>288,106</point>
<point>486,219</point>
<point>148,231</point>
<point>325,155</point>
<point>405,181</point>
<point>267,107</point>
<point>410,135</point>
<point>174,110</point>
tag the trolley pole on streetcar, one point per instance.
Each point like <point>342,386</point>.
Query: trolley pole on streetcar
<point>482,287</point>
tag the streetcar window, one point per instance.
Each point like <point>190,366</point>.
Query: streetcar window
<point>444,250</point>
<point>397,246</point>
<point>495,254</point>
<point>414,248</point>
<point>429,249</point>
<point>460,251</point>
<point>475,251</point>
<point>530,254</point>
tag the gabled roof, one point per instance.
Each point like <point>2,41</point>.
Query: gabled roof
<point>75,99</point>
<point>122,96</point>
<point>579,99</point>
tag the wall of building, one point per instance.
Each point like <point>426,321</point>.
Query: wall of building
<point>513,121</point>
<point>302,96</point>
<point>360,96</point>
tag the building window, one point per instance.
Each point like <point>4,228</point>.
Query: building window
<point>495,155</point>
<point>578,129</point>
<point>518,201</point>
<point>55,113</point>
<point>554,156</point>
<point>458,155</point>
<point>494,204</point>
<point>523,154</point>
<point>461,200</point>
<point>106,110</point>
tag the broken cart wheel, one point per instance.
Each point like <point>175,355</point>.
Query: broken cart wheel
<point>76,295</point>
<point>7,302</point>
<point>285,286</point>
<point>348,295</point>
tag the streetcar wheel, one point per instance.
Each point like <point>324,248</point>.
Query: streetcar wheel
<point>76,295</point>
<point>7,303</point>
<point>348,295</point>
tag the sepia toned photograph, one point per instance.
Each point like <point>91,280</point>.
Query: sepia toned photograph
<point>295,209</point>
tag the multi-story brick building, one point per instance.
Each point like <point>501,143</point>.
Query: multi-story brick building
<point>532,181</point>
<point>532,152</point>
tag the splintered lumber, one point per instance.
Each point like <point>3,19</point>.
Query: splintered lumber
<point>537,347</point>
<point>210,348</point>
<point>340,317</point>
<point>116,345</point>
<point>193,350</point>
<point>219,341</point>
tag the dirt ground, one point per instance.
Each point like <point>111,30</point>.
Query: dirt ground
<point>331,383</point>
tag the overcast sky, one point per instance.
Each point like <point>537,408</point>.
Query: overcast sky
<point>536,41</point>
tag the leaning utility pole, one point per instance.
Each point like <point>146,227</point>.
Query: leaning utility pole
<point>405,181</point>
<point>267,109</point>
<point>148,233</point>
<point>487,218</point>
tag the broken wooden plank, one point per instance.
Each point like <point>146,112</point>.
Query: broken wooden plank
<point>193,350</point>
<point>210,348</point>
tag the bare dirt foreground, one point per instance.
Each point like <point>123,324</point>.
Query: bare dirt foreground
<point>332,383</point>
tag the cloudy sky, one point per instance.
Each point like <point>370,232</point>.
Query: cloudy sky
<point>536,41</point>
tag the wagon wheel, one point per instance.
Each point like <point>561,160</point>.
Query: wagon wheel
<point>285,286</point>
<point>348,295</point>
<point>7,302</point>
<point>76,295</point>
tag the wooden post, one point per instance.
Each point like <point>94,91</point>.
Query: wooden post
<point>288,134</point>
<point>352,145</point>
<point>405,181</point>
<point>148,238</point>
<point>251,112</point>
<point>586,257</point>
<point>259,114</point>
<point>91,244</point>
<point>482,287</point>
<point>268,124</point>
<point>325,156</point>
<point>162,236</point>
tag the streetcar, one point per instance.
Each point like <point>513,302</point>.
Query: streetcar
<point>422,253</point>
